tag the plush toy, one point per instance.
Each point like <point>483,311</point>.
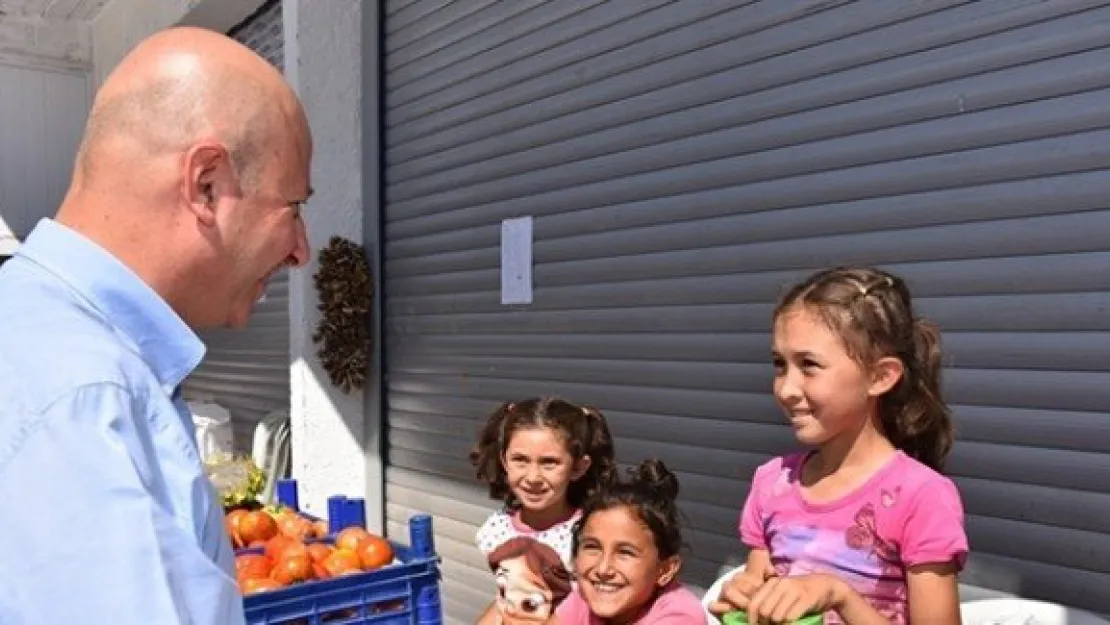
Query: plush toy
<point>531,581</point>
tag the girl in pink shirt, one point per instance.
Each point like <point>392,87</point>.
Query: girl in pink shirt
<point>863,528</point>
<point>626,556</point>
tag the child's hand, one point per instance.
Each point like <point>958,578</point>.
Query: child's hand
<point>737,592</point>
<point>786,599</point>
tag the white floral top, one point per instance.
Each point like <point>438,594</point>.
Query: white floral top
<point>504,524</point>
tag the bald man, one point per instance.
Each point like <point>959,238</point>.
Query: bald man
<point>185,199</point>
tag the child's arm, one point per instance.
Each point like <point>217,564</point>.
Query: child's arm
<point>740,587</point>
<point>934,596</point>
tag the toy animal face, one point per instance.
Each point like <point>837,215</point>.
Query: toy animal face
<point>523,597</point>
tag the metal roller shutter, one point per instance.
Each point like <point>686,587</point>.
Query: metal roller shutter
<point>247,371</point>
<point>683,161</point>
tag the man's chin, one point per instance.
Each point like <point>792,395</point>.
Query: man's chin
<point>240,317</point>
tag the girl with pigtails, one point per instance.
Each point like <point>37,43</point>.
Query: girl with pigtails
<point>863,527</point>
<point>543,458</point>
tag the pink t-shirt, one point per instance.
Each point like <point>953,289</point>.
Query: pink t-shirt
<point>906,514</point>
<point>674,606</point>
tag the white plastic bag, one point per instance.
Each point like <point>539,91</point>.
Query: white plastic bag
<point>213,425</point>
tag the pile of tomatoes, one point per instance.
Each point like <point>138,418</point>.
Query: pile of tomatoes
<point>290,553</point>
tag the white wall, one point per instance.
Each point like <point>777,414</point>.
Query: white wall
<point>42,116</point>
<point>323,58</point>
<point>44,100</point>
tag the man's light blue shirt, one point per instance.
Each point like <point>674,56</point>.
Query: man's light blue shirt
<point>106,514</point>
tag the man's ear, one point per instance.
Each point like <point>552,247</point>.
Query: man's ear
<point>208,175</point>
<point>885,375</point>
<point>580,467</point>
<point>668,570</point>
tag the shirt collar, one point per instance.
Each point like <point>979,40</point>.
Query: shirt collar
<point>156,332</point>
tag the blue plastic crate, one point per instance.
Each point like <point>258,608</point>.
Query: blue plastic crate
<point>399,594</point>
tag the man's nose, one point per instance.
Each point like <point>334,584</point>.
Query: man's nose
<point>299,256</point>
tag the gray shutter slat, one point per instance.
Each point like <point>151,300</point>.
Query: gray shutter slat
<point>442,26</point>
<point>750,214</point>
<point>401,13</point>
<point>694,282</point>
<point>499,24</point>
<point>523,36</point>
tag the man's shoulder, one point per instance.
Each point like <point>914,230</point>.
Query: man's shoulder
<point>50,345</point>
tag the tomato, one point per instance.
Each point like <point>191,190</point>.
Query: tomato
<point>342,562</point>
<point>319,551</point>
<point>319,571</point>
<point>292,568</point>
<point>258,584</point>
<point>374,552</point>
<point>253,562</point>
<point>296,526</point>
<point>231,522</point>
<point>292,547</point>
<point>350,537</point>
<point>257,525</point>
<point>275,545</point>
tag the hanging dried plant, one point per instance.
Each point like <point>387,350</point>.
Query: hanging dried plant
<point>346,291</point>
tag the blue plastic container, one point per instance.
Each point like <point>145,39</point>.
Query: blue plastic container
<point>399,594</point>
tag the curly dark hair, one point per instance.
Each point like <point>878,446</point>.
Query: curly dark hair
<point>872,311</point>
<point>650,492</point>
<point>581,428</point>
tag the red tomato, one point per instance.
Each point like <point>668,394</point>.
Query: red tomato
<point>258,584</point>
<point>374,552</point>
<point>319,551</point>
<point>257,525</point>
<point>231,521</point>
<point>292,568</point>
<point>342,562</point>
<point>350,537</point>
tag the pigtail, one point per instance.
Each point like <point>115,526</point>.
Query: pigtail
<point>916,418</point>
<point>598,445</point>
<point>655,477</point>
<point>485,456</point>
